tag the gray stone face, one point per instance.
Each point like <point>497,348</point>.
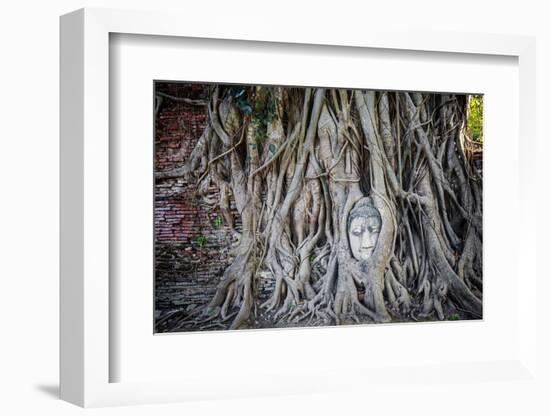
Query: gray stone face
<point>363,229</point>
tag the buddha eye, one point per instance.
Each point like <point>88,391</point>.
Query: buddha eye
<point>357,231</point>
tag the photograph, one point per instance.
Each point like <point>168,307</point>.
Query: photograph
<point>293,206</point>
<point>221,208</point>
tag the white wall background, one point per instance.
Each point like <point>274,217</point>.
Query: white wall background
<point>29,209</point>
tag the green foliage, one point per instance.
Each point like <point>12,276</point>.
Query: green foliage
<point>200,241</point>
<point>217,223</point>
<point>240,96</point>
<point>475,118</point>
<point>453,317</point>
<point>257,102</point>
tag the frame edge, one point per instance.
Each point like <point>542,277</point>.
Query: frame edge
<point>82,383</point>
<point>71,216</point>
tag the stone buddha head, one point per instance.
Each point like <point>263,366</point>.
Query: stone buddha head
<point>364,226</point>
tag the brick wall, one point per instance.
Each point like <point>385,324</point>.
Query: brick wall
<point>178,127</point>
<point>192,245</point>
<point>188,235</point>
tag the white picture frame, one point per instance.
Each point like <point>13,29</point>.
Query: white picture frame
<point>85,354</point>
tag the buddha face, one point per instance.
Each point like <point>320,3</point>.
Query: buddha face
<point>364,228</point>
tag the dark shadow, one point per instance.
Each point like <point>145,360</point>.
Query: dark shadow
<point>51,390</point>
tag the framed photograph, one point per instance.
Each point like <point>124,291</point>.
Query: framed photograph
<point>280,207</point>
<point>318,213</point>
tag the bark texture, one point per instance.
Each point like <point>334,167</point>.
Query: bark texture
<point>296,161</point>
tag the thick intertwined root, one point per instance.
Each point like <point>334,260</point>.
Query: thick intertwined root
<point>295,177</point>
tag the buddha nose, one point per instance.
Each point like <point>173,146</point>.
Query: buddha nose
<point>366,241</point>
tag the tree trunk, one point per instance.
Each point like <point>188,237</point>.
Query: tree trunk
<point>363,206</point>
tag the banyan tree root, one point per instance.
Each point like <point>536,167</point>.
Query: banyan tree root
<point>362,206</point>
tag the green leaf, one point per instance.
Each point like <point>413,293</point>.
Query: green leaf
<point>217,223</point>
<point>475,118</point>
<point>200,241</point>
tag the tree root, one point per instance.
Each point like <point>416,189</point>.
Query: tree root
<point>295,176</point>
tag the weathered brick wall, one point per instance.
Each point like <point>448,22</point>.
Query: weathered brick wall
<point>187,259</point>
<point>192,245</point>
<point>177,130</point>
